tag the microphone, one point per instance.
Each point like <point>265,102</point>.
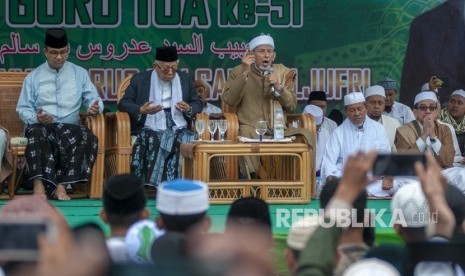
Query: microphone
<point>271,71</point>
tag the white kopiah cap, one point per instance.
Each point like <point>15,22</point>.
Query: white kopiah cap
<point>182,197</point>
<point>353,98</point>
<point>261,40</point>
<point>316,112</point>
<point>459,92</point>
<point>410,201</point>
<point>375,90</point>
<point>301,231</point>
<point>369,267</point>
<point>426,95</point>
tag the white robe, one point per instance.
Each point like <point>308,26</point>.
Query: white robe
<point>329,125</point>
<point>401,112</point>
<point>321,140</point>
<point>346,140</point>
<point>390,125</point>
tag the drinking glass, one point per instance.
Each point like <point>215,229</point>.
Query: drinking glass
<point>212,126</point>
<point>200,127</point>
<point>222,127</point>
<point>261,128</point>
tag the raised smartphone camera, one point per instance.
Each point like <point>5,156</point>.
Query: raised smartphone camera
<point>19,236</point>
<point>396,164</point>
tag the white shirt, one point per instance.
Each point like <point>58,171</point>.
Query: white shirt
<point>390,125</point>
<point>321,140</point>
<point>329,124</point>
<point>210,108</point>
<point>401,112</point>
<point>346,140</point>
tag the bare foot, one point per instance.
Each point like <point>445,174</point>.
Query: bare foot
<point>39,189</point>
<point>60,193</point>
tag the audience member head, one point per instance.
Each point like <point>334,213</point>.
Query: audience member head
<point>124,202</point>
<point>166,62</point>
<point>262,47</point>
<point>182,204</point>
<point>372,266</point>
<point>202,88</point>
<point>297,238</point>
<point>375,99</point>
<point>456,105</point>
<point>355,108</point>
<point>390,88</point>
<point>318,98</point>
<point>316,112</point>
<point>426,104</point>
<point>249,210</point>
<point>410,212</point>
<point>56,48</point>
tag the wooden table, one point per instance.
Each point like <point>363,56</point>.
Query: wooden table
<point>295,184</point>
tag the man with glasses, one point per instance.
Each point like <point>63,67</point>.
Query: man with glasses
<point>161,104</point>
<point>426,132</point>
<point>60,150</point>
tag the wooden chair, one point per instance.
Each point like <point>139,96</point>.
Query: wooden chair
<point>10,89</point>
<point>118,138</point>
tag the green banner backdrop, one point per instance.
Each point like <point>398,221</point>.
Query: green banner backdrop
<point>338,46</point>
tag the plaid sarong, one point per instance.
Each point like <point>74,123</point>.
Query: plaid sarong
<point>60,153</point>
<point>155,155</point>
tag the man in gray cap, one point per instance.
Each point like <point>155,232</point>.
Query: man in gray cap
<point>161,104</point>
<point>397,110</point>
<point>60,150</point>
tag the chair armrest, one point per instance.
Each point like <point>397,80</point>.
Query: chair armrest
<point>118,131</point>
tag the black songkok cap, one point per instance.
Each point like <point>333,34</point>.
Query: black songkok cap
<point>317,96</point>
<point>56,38</point>
<point>167,54</point>
<point>123,195</point>
<point>251,208</point>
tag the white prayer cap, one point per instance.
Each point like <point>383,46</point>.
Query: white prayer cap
<point>301,231</point>
<point>459,92</point>
<point>375,90</point>
<point>316,112</point>
<point>425,87</point>
<point>425,95</point>
<point>139,239</point>
<point>410,201</point>
<point>182,197</point>
<point>369,267</point>
<point>353,98</point>
<point>261,40</point>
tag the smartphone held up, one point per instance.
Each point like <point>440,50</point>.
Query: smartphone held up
<point>396,164</point>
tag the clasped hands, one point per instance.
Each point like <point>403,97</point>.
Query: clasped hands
<point>429,128</point>
<point>149,108</point>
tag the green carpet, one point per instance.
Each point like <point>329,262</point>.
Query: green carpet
<point>79,211</point>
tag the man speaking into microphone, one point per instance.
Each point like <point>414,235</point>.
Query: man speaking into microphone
<point>257,88</point>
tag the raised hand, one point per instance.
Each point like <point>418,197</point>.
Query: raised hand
<point>247,59</point>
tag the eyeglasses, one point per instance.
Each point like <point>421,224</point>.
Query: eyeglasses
<point>55,54</point>
<point>424,108</point>
<point>166,68</point>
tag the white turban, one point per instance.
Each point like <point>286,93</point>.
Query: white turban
<point>316,112</point>
<point>353,98</point>
<point>426,95</point>
<point>375,90</point>
<point>459,92</point>
<point>261,40</point>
